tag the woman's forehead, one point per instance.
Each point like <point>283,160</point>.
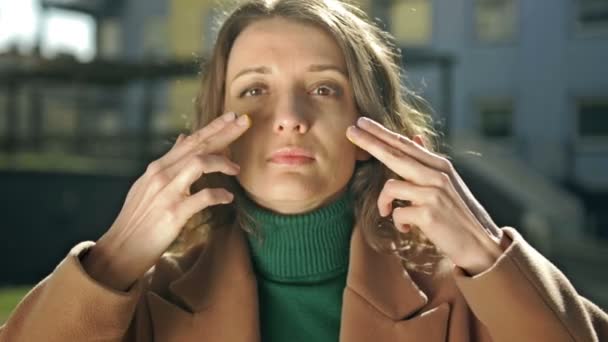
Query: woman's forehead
<point>279,42</point>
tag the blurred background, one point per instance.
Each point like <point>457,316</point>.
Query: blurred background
<point>92,90</point>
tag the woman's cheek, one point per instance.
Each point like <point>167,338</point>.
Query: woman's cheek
<point>245,147</point>
<point>236,151</point>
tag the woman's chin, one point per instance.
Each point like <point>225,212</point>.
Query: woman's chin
<point>290,197</point>
<point>292,191</point>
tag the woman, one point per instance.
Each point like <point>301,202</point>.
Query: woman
<point>323,214</point>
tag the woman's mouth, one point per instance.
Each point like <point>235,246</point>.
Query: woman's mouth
<point>291,160</point>
<point>292,155</point>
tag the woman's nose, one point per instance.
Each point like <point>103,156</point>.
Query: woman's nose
<point>290,116</point>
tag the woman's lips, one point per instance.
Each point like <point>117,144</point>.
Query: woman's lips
<point>291,160</point>
<point>292,155</point>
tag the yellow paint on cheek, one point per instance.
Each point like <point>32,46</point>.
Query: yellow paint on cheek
<point>244,120</point>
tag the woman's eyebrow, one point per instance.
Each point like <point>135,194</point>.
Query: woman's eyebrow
<point>312,68</point>
<point>257,70</point>
<point>326,67</point>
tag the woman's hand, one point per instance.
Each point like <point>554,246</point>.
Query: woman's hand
<point>159,203</point>
<point>441,204</point>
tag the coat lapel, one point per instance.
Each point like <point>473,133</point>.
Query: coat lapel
<point>219,290</point>
<point>381,280</point>
<point>383,303</point>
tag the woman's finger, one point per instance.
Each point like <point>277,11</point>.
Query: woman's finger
<point>221,140</point>
<point>205,198</point>
<point>405,191</point>
<point>188,143</point>
<point>404,144</point>
<point>187,171</point>
<point>405,217</point>
<point>217,142</point>
<point>398,161</point>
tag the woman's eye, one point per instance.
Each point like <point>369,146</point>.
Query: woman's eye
<point>320,91</point>
<point>252,92</point>
<point>324,91</point>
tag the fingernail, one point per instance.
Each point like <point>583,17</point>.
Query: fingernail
<point>179,138</point>
<point>351,133</point>
<point>362,120</point>
<point>228,117</point>
<point>243,120</point>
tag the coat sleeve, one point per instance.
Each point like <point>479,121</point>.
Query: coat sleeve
<point>69,305</point>
<point>524,297</point>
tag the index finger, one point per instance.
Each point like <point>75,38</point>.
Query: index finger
<point>402,143</point>
<point>214,126</point>
<point>188,143</point>
<point>228,134</point>
<point>395,159</point>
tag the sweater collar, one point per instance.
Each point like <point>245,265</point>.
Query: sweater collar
<point>307,247</point>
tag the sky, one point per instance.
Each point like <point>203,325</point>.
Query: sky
<point>62,31</point>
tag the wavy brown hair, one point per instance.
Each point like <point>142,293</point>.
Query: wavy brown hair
<point>373,64</point>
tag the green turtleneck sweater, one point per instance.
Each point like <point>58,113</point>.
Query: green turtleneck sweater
<point>301,265</point>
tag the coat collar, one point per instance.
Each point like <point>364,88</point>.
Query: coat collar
<point>224,269</point>
<point>381,280</point>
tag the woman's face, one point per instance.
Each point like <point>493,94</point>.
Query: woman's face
<point>291,79</point>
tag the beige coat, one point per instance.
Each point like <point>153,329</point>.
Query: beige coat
<point>210,296</point>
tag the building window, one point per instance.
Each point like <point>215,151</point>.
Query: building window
<point>495,20</point>
<point>412,22</point>
<point>496,118</point>
<point>592,16</point>
<point>593,118</point>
